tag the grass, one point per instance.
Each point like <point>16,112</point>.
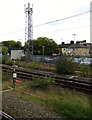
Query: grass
<point>66,103</point>
<point>6,76</point>
<point>33,65</point>
<point>79,70</point>
<point>84,70</point>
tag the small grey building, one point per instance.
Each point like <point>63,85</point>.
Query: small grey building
<point>17,54</point>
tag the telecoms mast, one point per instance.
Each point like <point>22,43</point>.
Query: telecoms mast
<point>29,27</point>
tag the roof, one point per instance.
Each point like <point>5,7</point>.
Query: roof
<point>64,45</point>
<point>77,45</point>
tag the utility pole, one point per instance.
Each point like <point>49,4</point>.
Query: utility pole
<point>43,50</point>
<point>29,29</point>
<point>74,36</point>
<point>74,44</point>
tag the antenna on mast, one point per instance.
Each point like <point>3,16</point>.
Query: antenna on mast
<point>29,29</point>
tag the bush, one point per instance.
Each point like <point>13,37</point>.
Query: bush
<point>64,65</point>
<point>23,58</point>
<point>6,76</point>
<point>85,71</point>
<point>0,60</point>
<point>9,62</point>
<point>41,83</point>
<point>4,59</point>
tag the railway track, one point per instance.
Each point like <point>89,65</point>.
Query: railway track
<point>81,85</point>
<point>5,116</point>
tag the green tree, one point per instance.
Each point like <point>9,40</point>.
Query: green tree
<point>4,50</point>
<point>50,46</point>
<point>0,48</point>
<point>11,45</point>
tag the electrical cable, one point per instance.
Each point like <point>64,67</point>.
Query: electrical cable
<point>66,29</point>
<point>63,18</point>
<point>12,32</point>
<point>53,30</point>
<point>52,22</point>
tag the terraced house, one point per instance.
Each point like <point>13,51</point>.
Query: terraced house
<point>80,48</point>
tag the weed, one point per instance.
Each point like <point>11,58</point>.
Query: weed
<point>41,83</point>
<point>6,76</point>
<point>64,65</point>
<point>66,103</point>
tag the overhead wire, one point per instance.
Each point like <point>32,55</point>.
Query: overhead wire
<point>66,29</point>
<point>49,31</point>
<point>50,22</point>
<point>12,32</point>
<point>65,18</point>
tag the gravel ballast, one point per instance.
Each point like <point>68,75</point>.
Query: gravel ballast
<point>19,108</point>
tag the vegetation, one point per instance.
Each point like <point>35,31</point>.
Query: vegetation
<point>7,61</point>
<point>4,59</point>
<point>85,71</point>
<point>6,76</point>
<point>66,103</point>
<point>50,46</point>
<point>35,66</point>
<point>10,45</point>
<point>64,65</point>
<point>4,50</point>
<point>42,84</point>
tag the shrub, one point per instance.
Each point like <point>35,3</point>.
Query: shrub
<point>6,76</point>
<point>85,71</point>
<point>41,83</point>
<point>0,60</point>
<point>4,59</point>
<point>64,65</point>
<point>23,58</point>
<point>9,62</point>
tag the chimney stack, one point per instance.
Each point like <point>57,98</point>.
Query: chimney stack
<point>63,43</point>
<point>84,41</point>
<point>71,42</point>
<point>77,42</point>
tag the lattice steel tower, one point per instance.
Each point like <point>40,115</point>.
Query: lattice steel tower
<point>29,28</point>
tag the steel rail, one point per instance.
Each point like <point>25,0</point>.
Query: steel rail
<point>62,81</point>
<point>5,116</point>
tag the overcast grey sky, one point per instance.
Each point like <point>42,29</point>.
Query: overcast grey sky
<point>12,19</point>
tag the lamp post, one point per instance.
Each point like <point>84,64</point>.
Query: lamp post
<point>74,36</point>
<point>74,44</point>
<point>43,50</point>
<point>51,41</point>
<point>61,39</point>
